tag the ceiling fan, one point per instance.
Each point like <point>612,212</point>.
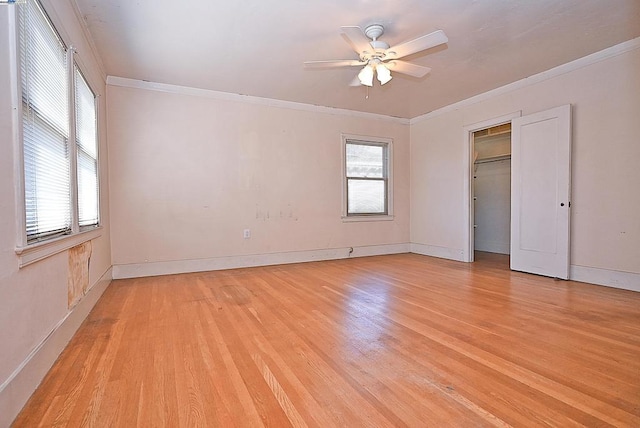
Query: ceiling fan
<point>377,56</point>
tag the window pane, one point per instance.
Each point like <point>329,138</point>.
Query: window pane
<point>46,170</point>
<point>365,160</point>
<point>366,196</point>
<point>44,69</point>
<point>87,190</point>
<point>85,116</point>
<point>87,151</point>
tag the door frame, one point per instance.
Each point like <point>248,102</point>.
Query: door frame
<point>468,205</point>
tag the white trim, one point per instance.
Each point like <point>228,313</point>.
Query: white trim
<point>536,78</point>
<point>136,270</point>
<point>356,219</point>
<point>72,140</point>
<point>380,250</point>
<point>16,123</point>
<point>18,387</point>
<point>41,250</point>
<point>606,277</point>
<point>436,251</point>
<point>249,99</point>
<point>467,197</point>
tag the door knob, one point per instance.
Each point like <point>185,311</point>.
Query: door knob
<point>562,204</point>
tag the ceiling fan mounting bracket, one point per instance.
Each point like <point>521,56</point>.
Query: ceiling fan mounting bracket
<point>374,31</point>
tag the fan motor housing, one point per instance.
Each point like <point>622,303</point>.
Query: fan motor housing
<point>374,31</point>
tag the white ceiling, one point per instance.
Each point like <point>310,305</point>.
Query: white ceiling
<point>257,47</point>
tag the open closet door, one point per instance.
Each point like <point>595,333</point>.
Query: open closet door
<point>540,192</point>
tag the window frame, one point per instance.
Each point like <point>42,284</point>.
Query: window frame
<point>35,250</point>
<point>387,145</point>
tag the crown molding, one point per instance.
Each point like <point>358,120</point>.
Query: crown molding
<point>249,99</point>
<point>577,64</point>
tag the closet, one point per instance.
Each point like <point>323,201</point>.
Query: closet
<point>492,189</point>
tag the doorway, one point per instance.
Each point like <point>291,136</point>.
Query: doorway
<point>540,190</point>
<point>491,189</point>
<point>469,174</point>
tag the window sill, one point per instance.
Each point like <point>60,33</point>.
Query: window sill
<point>41,250</point>
<point>353,219</point>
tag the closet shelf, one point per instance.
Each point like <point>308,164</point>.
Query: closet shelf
<point>493,159</point>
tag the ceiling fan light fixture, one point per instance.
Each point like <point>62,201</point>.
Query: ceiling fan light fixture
<point>384,75</point>
<point>366,76</point>
<point>378,57</point>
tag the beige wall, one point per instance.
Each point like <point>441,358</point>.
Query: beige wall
<point>190,173</point>
<point>605,225</point>
<point>33,299</point>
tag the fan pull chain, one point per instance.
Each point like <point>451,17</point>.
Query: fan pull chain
<point>367,96</point>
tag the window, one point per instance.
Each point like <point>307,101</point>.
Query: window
<point>367,177</point>
<point>60,179</point>
<point>87,152</point>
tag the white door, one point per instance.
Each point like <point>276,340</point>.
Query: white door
<point>540,192</point>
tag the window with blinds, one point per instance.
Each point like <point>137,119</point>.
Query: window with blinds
<point>45,126</point>
<point>54,168</point>
<point>86,151</point>
<point>367,176</point>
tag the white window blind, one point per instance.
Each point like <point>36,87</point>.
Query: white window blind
<point>45,125</point>
<point>86,151</point>
<point>367,178</point>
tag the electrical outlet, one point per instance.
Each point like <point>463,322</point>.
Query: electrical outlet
<point>247,233</point>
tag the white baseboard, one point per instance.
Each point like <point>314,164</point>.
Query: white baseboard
<point>380,250</point>
<point>591,275</point>
<point>435,251</point>
<point>137,270</point>
<point>606,277</point>
<point>17,389</point>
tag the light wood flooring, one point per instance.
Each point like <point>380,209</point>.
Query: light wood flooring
<point>401,340</point>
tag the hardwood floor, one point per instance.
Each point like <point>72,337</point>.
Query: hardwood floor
<point>401,340</point>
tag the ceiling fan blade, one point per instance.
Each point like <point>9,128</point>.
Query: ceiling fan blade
<point>334,63</point>
<point>405,67</point>
<point>357,39</point>
<point>416,45</point>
